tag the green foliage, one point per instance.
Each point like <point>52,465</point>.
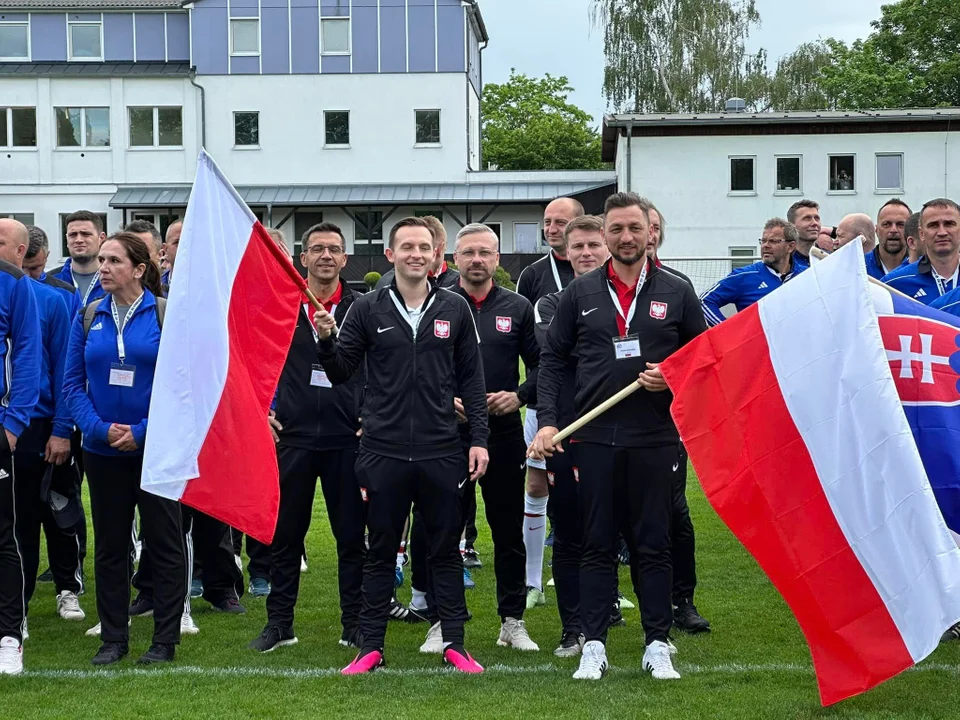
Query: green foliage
<point>371,279</point>
<point>528,124</point>
<point>502,278</point>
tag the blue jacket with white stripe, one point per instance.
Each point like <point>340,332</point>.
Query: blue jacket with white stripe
<point>915,280</point>
<point>875,268</point>
<point>21,346</point>
<point>743,287</point>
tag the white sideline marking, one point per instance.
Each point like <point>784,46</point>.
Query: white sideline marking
<point>498,669</point>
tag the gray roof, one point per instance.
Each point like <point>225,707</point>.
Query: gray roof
<point>359,195</point>
<point>811,116</point>
<point>86,4</point>
<point>100,69</point>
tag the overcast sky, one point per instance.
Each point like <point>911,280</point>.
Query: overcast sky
<point>556,36</point>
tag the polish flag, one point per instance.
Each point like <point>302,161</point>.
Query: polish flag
<point>793,423</point>
<point>232,310</point>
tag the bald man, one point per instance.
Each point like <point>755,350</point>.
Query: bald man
<point>169,252</point>
<point>21,346</point>
<point>857,224</point>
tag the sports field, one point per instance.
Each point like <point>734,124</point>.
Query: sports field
<point>754,665</point>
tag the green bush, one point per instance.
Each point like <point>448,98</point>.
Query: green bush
<point>502,278</point>
<point>371,279</point>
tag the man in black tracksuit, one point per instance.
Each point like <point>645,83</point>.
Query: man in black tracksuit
<point>421,348</point>
<point>621,321</point>
<point>318,426</point>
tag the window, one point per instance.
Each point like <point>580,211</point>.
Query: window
<point>526,238</point>
<point>742,177</point>
<point>364,241</point>
<point>336,127</point>
<point>85,40</point>
<point>741,257</point>
<point>63,231</point>
<point>18,127</point>
<point>83,127</point>
<point>788,174</point>
<point>25,218</point>
<point>335,36</point>
<point>245,37</point>
<point>428,127</point>
<point>14,41</point>
<point>246,129</point>
<point>156,127</point>
<point>496,227</point>
<point>842,173</point>
<point>890,172</point>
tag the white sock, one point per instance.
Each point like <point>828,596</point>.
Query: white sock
<point>534,535</point>
<point>419,600</point>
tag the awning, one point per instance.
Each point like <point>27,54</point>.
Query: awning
<point>507,193</point>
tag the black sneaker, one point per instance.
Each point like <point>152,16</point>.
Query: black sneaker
<point>158,653</point>
<point>571,645</point>
<point>45,576</point>
<point>616,617</point>
<point>952,633</point>
<point>351,638</point>
<point>399,611</point>
<point>273,637</point>
<point>687,619</point>
<point>471,560</point>
<point>229,605</point>
<point>142,606</point>
<point>110,653</point>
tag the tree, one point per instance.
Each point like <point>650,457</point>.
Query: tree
<point>528,124</point>
<point>678,55</point>
<point>797,83</point>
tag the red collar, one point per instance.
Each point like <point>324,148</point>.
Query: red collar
<point>478,302</point>
<point>333,299</point>
<point>656,261</point>
<point>619,285</point>
<point>443,269</point>
<point>557,257</point>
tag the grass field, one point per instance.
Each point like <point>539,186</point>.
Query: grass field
<point>754,664</point>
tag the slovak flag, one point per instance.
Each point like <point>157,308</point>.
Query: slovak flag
<point>233,306</point>
<point>792,420</point>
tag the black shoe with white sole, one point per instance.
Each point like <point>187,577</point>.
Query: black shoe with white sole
<point>351,638</point>
<point>273,637</point>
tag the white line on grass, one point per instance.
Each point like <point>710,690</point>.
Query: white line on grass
<point>499,669</point>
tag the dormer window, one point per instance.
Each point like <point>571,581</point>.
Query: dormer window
<point>85,39</point>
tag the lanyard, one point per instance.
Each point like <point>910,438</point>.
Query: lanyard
<point>121,350</point>
<point>93,283</point>
<point>941,281</point>
<point>556,272</point>
<point>633,306</point>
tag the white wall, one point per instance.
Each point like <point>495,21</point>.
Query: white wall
<point>688,178</point>
<point>382,128</point>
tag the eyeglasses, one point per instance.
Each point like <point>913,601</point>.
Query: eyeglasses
<point>771,241</point>
<point>470,254</point>
<point>319,250</point>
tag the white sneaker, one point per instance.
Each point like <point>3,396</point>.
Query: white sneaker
<point>513,633</point>
<point>657,661</point>
<point>535,597</point>
<point>625,604</point>
<point>187,625</point>
<point>551,583</point>
<point>593,663</point>
<point>303,563</point>
<point>68,606</point>
<point>95,630</point>
<point>11,656</point>
<point>433,645</point>
<point>26,633</point>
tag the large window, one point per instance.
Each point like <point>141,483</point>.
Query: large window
<point>335,36</point>
<point>743,178</point>
<point>83,127</point>
<point>25,218</point>
<point>526,238</point>
<point>336,127</point>
<point>156,126</point>
<point>788,174</point>
<point>246,129</point>
<point>741,257</point>
<point>890,172</point>
<point>18,127</point>
<point>14,41</point>
<point>368,233</point>
<point>428,127</point>
<point>245,36</point>
<point>85,40</point>
<point>843,173</point>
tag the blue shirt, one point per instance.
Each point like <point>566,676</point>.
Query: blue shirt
<point>96,404</point>
<point>875,267</point>
<point>70,293</point>
<point>55,333</point>
<point>743,287</point>
<point>917,280</point>
<point>94,292</point>
<point>21,346</point>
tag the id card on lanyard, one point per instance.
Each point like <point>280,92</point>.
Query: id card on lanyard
<point>122,374</point>
<point>556,271</point>
<point>627,346</point>
<point>318,377</point>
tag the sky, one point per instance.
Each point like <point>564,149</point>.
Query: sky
<point>557,37</point>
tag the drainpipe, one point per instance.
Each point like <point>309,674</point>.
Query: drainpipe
<point>946,139</point>
<point>629,155</point>
<point>192,75</point>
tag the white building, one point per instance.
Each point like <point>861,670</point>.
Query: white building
<point>718,177</point>
<point>357,112</point>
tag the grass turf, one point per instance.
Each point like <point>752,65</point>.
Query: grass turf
<point>754,664</point>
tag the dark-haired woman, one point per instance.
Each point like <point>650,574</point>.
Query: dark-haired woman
<point>108,380</point>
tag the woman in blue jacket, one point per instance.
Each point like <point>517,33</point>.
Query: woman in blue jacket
<point>107,383</point>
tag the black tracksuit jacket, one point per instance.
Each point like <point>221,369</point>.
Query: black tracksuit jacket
<point>667,317</point>
<point>407,408</point>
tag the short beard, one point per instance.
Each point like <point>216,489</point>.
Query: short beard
<point>629,261</point>
<point>84,258</point>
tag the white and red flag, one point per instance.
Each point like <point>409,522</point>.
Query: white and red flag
<point>793,423</point>
<point>233,306</point>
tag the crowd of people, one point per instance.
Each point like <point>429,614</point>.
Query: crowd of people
<point>430,360</point>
